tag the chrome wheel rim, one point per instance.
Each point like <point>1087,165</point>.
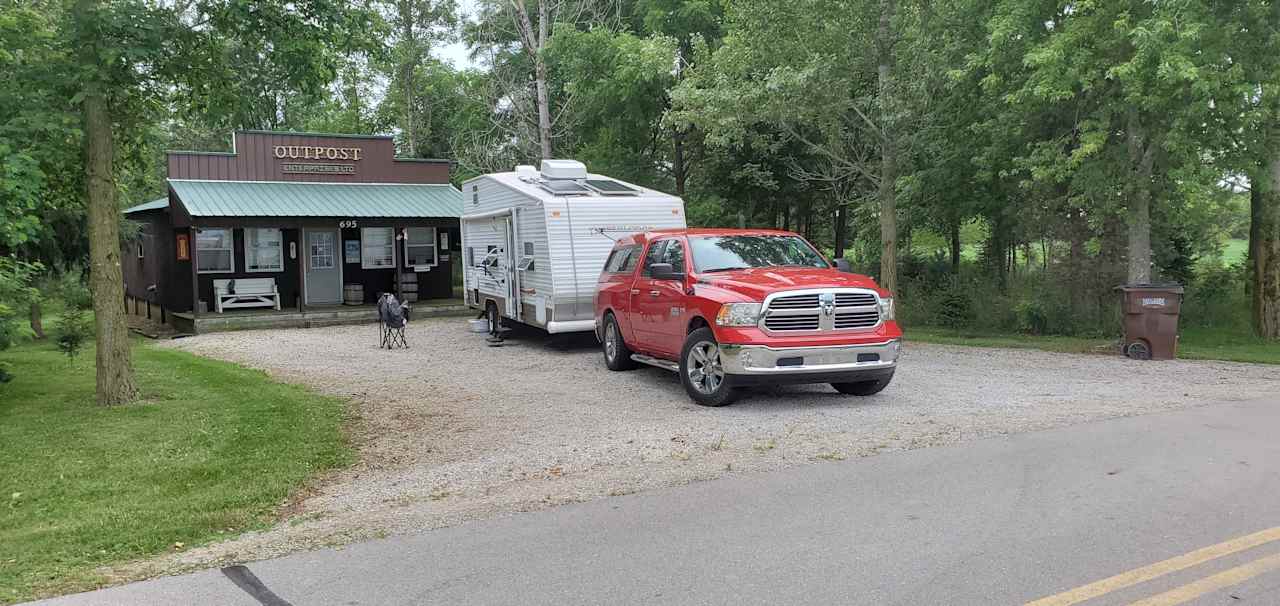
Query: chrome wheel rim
<point>705,371</point>
<point>610,340</point>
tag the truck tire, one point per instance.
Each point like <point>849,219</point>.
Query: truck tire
<point>617,356</point>
<point>863,388</point>
<point>702,374</point>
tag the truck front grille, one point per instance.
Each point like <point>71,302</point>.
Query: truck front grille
<point>857,319</point>
<point>795,302</point>
<point>822,311</point>
<point>781,323</point>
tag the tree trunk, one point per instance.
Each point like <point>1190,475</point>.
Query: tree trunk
<point>409,44</point>
<point>841,228</point>
<point>37,325</point>
<point>955,247</point>
<point>888,153</point>
<point>114,368</point>
<point>1264,251</point>
<point>1141,157</point>
<point>677,134</point>
<point>540,75</point>
<point>677,161</point>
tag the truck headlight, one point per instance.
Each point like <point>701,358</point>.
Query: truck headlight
<point>738,314</point>
<point>887,312</point>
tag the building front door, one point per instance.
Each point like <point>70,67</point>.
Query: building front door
<point>324,271</point>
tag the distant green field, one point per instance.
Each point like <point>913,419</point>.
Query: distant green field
<point>1235,251</point>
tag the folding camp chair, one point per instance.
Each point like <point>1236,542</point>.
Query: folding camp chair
<point>393,316</point>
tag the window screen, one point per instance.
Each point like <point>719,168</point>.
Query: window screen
<point>420,247</point>
<point>377,247</point>
<point>213,251</point>
<point>263,250</point>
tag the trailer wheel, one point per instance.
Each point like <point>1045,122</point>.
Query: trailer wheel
<point>617,356</point>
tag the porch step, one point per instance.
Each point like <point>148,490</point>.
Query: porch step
<point>317,318</point>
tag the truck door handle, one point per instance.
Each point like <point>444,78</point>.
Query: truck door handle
<point>635,291</point>
<point>654,293</point>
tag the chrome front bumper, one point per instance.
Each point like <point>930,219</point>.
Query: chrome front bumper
<point>762,360</point>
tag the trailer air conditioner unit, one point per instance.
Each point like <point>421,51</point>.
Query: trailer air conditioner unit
<point>527,173</point>
<point>563,169</point>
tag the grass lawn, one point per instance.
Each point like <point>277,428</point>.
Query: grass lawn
<point>1195,343</point>
<point>211,450</point>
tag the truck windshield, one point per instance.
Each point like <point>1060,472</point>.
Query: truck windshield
<point>724,253</point>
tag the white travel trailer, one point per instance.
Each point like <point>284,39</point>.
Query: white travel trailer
<point>534,242</point>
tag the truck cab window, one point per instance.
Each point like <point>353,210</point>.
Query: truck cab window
<point>655,255</point>
<point>674,254</point>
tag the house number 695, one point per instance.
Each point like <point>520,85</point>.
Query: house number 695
<point>346,224</point>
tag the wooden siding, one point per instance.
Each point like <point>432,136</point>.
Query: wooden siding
<point>254,160</point>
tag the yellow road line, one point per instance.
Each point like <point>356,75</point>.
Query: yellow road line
<point>1159,569</point>
<point>1226,578</point>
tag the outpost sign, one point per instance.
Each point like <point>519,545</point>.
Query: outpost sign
<point>308,152</point>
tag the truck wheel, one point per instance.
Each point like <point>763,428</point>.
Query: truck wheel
<point>863,388</point>
<point>701,372</point>
<point>617,356</point>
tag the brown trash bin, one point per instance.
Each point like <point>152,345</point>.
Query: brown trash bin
<point>1151,320</point>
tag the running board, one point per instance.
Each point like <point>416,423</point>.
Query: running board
<point>659,362</point>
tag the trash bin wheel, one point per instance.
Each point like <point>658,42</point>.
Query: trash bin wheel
<point>1138,350</point>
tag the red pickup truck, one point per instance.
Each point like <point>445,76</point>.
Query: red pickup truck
<point>729,308</point>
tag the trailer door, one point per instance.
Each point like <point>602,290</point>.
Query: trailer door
<point>512,295</point>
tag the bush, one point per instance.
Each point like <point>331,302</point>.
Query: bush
<point>955,306</point>
<point>69,287</point>
<point>72,331</point>
<point>1033,318</point>
<point>1216,298</point>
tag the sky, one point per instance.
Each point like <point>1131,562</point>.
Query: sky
<point>456,53</point>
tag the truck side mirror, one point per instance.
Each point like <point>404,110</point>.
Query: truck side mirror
<point>842,265</point>
<point>664,271</point>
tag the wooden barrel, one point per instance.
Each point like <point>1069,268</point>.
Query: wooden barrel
<point>353,294</point>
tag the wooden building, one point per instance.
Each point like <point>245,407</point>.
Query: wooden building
<point>295,221</point>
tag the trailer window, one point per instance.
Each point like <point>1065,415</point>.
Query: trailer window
<point>527,262</point>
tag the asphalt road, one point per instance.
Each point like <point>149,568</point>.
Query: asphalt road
<point>1167,508</point>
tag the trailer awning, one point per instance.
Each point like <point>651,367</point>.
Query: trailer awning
<point>316,199</point>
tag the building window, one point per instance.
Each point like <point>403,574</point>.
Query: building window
<point>377,247</point>
<point>213,251</point>
<point>263,250</point>
<point>420,247</point>
<point>140,251</point>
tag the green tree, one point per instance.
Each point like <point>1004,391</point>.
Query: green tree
<point>130,56</point>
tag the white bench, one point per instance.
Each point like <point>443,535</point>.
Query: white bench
<point>249,292</point>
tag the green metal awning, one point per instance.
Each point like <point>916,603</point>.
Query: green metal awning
<point>152,205</point>
<point>312,199</point>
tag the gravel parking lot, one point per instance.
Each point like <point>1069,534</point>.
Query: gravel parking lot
<point>453,430</point>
